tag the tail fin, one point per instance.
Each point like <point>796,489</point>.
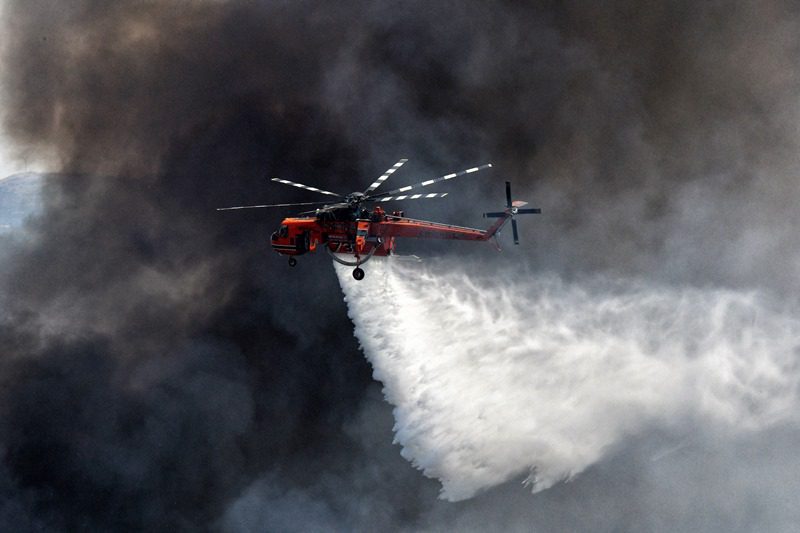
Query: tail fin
<point>513,208</point>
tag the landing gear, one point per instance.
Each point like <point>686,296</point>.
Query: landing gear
<point>292,261</point>
<point>358,274</point>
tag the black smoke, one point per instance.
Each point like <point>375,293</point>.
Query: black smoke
<point>158,361</point>
<point>156,357</point>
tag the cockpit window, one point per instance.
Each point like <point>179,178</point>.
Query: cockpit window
<point>283,231</point>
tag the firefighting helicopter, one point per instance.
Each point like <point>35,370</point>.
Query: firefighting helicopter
<point>349,228</point>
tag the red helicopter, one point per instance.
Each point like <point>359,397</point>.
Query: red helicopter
<point>350,228</point>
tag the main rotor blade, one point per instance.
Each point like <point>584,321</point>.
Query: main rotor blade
<point>270,205</point>
<point>306,187</point>
<point>408,197</point>
<point>508,194</point>
<point>385,176</point>
<point>437,180</point>
<point>529,211</point>
<point>514,229</point>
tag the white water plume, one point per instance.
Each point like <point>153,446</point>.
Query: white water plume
<point>498,376</point>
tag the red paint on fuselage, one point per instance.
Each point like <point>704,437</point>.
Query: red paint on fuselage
<point>299,235</point>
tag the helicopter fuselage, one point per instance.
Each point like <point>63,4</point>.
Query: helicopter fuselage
<point>363,233</point>
<point>301,235</point>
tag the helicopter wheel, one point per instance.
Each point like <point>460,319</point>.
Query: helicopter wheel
<point>292,261</point>
<point>358,274</point>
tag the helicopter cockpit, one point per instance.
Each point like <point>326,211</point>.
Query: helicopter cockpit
<point>282,233</point>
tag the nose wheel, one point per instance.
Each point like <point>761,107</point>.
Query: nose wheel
<point>358,274</point>
<point>292,262</point>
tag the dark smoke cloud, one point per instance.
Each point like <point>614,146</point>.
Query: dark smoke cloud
<point>155,357</point>
<point>162,369</point>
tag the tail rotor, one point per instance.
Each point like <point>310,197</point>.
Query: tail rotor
<point>513,208</point>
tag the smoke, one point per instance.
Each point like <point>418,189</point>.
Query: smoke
<point>161,368</point>
<point>492,379</point>
<point>153,363</point>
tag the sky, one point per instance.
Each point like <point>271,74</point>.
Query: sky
<point>631,366</point>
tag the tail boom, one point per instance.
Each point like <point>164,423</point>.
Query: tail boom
<point>395,226</point>
<point>502,219</point>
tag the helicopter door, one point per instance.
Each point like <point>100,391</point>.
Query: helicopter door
<point>301,242</point>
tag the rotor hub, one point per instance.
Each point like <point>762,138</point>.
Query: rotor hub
<point>355,198</point>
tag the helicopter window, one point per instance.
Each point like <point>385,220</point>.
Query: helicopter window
<point>283,231</point>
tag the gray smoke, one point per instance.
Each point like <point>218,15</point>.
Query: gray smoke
<point>162,369</point>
